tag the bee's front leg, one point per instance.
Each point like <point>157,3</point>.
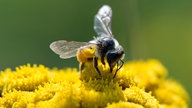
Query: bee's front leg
<point>119,66</point>
<point>95,64</point>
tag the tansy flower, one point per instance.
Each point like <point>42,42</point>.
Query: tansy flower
<point>138,84</point>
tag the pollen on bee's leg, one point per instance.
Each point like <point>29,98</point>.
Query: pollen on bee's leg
<point>94,69</point>
<point>88,71</point>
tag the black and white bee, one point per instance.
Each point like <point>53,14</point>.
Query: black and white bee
<point>104,47</point>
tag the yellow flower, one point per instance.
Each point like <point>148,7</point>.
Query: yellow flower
<point>138,84</point>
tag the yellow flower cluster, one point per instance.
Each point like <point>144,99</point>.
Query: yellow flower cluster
<point>138,84</point>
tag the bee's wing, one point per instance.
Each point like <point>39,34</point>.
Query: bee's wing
<point>102,21</point>
<point>66,49</point>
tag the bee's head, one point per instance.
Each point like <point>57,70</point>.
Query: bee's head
<point>113,56</point>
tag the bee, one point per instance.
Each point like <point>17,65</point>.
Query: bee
<point>104,47</point>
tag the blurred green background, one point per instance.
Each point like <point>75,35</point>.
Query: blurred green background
<point>160,29</point>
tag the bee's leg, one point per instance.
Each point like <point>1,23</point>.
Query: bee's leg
<point>111,68</point>
<point>118,67</point>
<point>95,64</point>
<point>102,60</point>
<point>81,66</point>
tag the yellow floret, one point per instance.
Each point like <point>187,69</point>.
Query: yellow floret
<point>124,105</point>
<point>171,93</point>
<point>97,93</point>
<point>147,74</point>
<point>137,95</point>
<point>24,78</point>
<point>138,84</point>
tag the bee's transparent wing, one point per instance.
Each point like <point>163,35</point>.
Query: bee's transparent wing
<point>66,49</point>
<point>102,21</point>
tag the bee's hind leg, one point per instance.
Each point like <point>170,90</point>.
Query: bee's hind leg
<point>95,64</point>
<point>81,66</point>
